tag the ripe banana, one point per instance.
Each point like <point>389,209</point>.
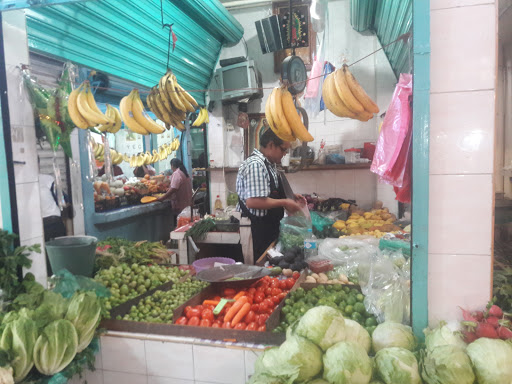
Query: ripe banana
<point>87,111</point>
<point>110,114</point>
<point>118,122</point>
<point>126,109</point>
<point>332,100</point>
<point>153,105</point>
<point>271,121</point>
<point>345,93</point>
<point>73,111</point>
<point>364,116</point>
<point>200,118</point>
<point>295,122</point>
<point>171,91</point>
<point>141,116</point>
<point>359,93</point>
<point>276,108</point>
<point>187,96</point>
<point>94,106</point>
<point>162,108</point>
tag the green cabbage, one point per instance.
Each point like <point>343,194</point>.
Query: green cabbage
<point>397,366</point>
<point>389,334</point>
<point>356,333</point>
<point>447,364</point>
<point>318,381</point>
<point>261,378</point>
<point>347,363</point>
<point>84,313</point>
<point>442,335</point>
<point>270,367</point>
<point>6,376</point>
<point>56,347</point>
<point>492,360</point>
<point>323,325</point>
<point>19,337</point>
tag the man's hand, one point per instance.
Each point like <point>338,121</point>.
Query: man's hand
<point>301,200</point>
<point>291,206</point>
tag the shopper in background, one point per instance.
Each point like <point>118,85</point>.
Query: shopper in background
<point>144,170</point>
<point>117,170</point>
<point>52,219</point>
<point>261,194</point>
<point>180,190</point>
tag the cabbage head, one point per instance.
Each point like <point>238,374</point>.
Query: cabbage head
<point>492,360</point>
<point>84,313</point>
<point>389,334</point>
<point>347,363</point>
<point>270,367</point>
<point>442,335</point>
<point>323,325</point>
<point>262,378</point>
<point>298,352</point>
<point>397,366</point>
<point>6,375</point>
<point>55,347</point>
<point>318,381</point>
<point>447,364</point>
<point>357,334</point>
<point>19,337</point>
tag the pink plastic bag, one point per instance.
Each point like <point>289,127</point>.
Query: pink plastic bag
<point>391,153</point>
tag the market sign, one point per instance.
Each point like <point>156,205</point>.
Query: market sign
<point>7,5</point>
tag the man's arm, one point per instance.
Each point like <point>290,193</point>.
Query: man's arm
<point>269,203</point>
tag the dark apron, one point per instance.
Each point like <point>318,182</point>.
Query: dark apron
<point>265,229</point>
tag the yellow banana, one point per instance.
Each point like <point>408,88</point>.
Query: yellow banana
<point>109,114</point>
<point>295,122</point>
<point>85,109</point>
<point>171,91</point>
<point>200,118</point>
<point>73,111</point>
<point>162,153</point>
<point>207,116</point>
<point>142,117</point>
<point>364,116</point>
<point>125,107</point>
<point>283,128</point>
<point>162,108</point>
<point>270,118</point>
<point>345,93</point>
<point>118,122</point>
<point>332,100</point>
<point>359,93</point>
<point>153,106</point>
<point>94,106</point>
<point>187,96</point>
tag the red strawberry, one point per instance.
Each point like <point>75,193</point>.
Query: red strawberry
<point>469,337</point>
<point>504,333</point>
<point>495,311</point>
<point>494,321</point>
<point>486,330</point>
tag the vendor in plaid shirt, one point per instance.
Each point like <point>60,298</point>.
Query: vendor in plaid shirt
<point>260,191</point>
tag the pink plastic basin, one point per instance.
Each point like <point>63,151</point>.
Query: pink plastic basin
<point>209,262</point>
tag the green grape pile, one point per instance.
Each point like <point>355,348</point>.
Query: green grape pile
<point>349,301</point>
<point>126,282</point>
<point>159,307</point>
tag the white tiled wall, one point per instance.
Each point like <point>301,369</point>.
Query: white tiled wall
<point>23,138</point>
<point>145,359</point>
<point>463,77</point>
<point>374,74</point>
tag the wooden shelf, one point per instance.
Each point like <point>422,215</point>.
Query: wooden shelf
<point>225,169</point>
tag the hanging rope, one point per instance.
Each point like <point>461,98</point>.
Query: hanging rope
<point>171,34</point>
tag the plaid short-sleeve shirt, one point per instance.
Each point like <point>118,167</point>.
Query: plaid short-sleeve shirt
<point>253,180</point>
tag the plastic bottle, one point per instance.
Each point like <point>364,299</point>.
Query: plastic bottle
<point>218,204</point>
<point>310,245</point>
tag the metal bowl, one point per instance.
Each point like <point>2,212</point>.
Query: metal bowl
<point>245,274</point>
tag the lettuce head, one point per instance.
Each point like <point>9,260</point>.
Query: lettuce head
<point>390,334</point>
<point>492,360</point>
<point>447,364</point>
<point>397,366</point>
<point>322,325</point>
<point>347,363</point>
<point>357,334</point>
<point>19,337</point>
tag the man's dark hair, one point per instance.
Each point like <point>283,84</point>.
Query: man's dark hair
<point>270,137</point>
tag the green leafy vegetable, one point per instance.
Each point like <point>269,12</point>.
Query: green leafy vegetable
<point>442,335</point>
<point>323,325</point>
<point>56,347</point>
<point>347,363</point>
<point>447,364</point>
<point>298,352</point>
<point>389,334</point>
<point>84,313</point>
<point>491,359</point>
<point>357,334</point>
<point>19,338</point>
<point>397,366</point>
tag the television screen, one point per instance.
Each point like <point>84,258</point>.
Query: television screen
<point>235,78</point>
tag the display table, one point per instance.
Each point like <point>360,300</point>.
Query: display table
<point>134,358</point>
<point>242,237</point>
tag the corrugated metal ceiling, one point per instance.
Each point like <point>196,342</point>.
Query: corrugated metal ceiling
<point>126,39</point>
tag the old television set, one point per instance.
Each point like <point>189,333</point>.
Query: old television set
<point>236,82</point>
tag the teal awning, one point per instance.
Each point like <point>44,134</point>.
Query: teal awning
<point>389,19</point>
<point>126,39</point>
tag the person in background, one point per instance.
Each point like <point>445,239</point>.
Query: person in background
<point>50,211</point>
<point>261,193</point>
<point>180,190</point>
<point>117,170</point>
<point>144,170</point>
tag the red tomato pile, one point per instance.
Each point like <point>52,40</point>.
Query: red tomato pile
<point>249,311</point>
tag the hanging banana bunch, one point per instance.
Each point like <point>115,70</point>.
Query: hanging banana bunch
<point>170,102</point>
<point>283,118</point>
<point>345,97</point>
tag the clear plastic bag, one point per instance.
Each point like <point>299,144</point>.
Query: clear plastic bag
<point>293,231</point>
